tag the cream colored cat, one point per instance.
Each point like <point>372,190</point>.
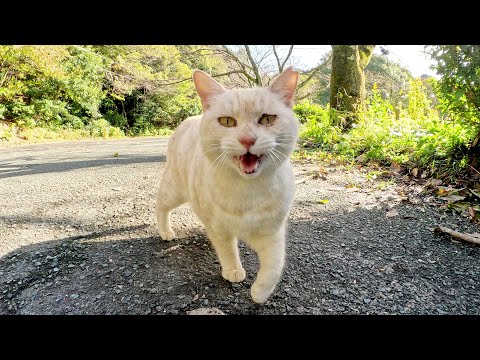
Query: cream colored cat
<point>232,165</point>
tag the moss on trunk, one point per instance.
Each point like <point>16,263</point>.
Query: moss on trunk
<point>347,81</point>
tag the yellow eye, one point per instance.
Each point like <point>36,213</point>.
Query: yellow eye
<point>267,120</point>
<point>227,121</point>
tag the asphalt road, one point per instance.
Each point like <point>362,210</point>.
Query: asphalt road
<point>78,236</point>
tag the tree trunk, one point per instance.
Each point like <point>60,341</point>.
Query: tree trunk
<point>474,152</point>
<point>347,81</point>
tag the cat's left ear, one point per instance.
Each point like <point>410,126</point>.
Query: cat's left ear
<point>207,88</point>
<point>285,85</point>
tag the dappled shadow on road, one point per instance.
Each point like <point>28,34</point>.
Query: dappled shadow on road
<point>118,271</point>
<point>13,170</point>
<point>355,262</point>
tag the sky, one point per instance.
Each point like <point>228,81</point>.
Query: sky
<point>411,56</point>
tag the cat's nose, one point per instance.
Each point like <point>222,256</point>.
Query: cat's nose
<point>248,141</point>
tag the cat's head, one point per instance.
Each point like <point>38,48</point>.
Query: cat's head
<point>248,131</point>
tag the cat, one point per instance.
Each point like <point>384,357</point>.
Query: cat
<point>232,164</point>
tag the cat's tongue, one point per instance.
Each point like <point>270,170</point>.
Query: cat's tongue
<point>249,162</point>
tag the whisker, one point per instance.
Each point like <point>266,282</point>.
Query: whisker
<point>285,146</point>
<point>286,137</point>
<point>223,161</point>
<point>218,157</point>
<point>212,147</point>
<point>280,153</point>
<point>277,164</point>
<point>273,160</point>
<point>218,166</point>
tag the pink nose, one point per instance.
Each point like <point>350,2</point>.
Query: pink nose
<point>248,142</point>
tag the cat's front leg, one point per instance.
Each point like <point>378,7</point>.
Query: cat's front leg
<point>271,253</point>
<point>169,196</point>
<point>226,247</point>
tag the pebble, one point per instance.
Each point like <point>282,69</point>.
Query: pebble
<point>206,311</point>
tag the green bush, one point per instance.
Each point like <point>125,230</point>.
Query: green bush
<point>317,128</point>
<point>427,141</point>
<point>102,128</point>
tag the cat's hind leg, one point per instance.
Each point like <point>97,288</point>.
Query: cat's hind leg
<point>226,247</point>
<point>169,196</point>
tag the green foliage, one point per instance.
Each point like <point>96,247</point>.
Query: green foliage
<point>426,141</point>
<point>459,86</point>
<point>140,89</point>
<point>418,103</point>
<point>317,126</point>
<point>392,80</point>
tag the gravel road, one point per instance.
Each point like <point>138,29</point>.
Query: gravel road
<point>78,236</point>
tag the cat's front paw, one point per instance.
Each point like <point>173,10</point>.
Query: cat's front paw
<point>260,293</point>
<point>234,275</point>
<point>167,235</point>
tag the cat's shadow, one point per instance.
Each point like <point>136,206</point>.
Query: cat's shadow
<point>110,272</point>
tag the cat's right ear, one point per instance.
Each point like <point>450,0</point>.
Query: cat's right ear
<point>207,88</point>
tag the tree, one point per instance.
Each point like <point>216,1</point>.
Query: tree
<point>249,66</point>
<point>391,77</point>
<point>347,81</point>
<point>459,88</point>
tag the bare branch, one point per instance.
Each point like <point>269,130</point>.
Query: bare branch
<point>288,56</point>
<point>313,72</point>
<point>229,73</point>
<point>254,66</point>
<point>236,58</point>
<point>217,75</point>
<point>304,96</point>
<point>278,59</point>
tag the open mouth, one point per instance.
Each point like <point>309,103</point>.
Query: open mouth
<point>249,162</point>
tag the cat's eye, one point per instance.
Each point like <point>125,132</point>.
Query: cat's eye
<point>227,121</point>
<point>267,120</point>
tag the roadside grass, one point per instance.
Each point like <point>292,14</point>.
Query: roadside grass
<point>11,134</point>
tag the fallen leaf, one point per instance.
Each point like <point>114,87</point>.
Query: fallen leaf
<point>360,159</point>
<point>395,167</point>
<point>323,201</point>
<point>206,311</point>
<point>172,248</point>
<point>415,172</point>
<point>453,198</point>
<point>115,154</point>
<point>195,298</point>
<point>475,193</point>
<point>424,175</point>
<point>391,213</point>
<point>472,211</point>
<point>414,200</point>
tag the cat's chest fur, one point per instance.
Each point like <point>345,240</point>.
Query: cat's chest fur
<point>222,201</point>
<point>242,209</point>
